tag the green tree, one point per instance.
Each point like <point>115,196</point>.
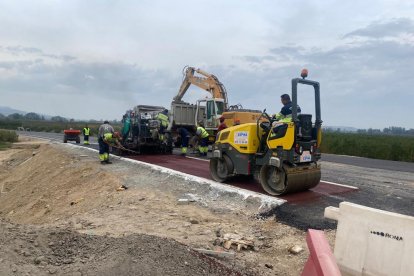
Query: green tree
<point>59,119</point>
<point>32,116</point>
<point>15,116</point>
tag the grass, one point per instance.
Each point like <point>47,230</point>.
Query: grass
<point>7,137</point>
<point>4,145</point>
<point>386,147</point>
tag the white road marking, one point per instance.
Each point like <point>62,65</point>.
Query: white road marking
<point>197,158</point>
<point>341,185</point>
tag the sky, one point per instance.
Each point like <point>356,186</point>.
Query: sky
<point>96,59</point>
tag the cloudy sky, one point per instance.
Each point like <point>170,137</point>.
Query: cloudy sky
<point>95,59</point>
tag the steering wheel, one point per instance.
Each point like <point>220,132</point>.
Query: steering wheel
<point>263,115</point>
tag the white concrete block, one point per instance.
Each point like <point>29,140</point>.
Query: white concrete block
<point>371,241</point>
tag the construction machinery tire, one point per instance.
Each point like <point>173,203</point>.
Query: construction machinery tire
<point>273,179</point>
<point>78,140</point>
<point>65,139</point>
<point>279,181</point>
<point>221,168</point>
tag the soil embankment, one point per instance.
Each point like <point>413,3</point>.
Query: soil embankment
<point>62,213</point>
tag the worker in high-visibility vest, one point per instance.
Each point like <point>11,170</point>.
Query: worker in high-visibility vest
<point>285,114</point>
<point>112,140</point>
<point>104,129</point>
<point>163,118</point>
<point>203,136</point>
<point>185,137</point>
<point>86,133</point>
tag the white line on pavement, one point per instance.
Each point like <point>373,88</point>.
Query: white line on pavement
<point>341,185</point>
<point>197,158</point>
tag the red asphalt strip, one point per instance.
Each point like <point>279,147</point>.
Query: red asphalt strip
<point>200,168</point>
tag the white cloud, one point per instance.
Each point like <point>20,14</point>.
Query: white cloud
<point>94,59</point>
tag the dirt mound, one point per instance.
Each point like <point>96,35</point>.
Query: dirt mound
<point>65,214</point>
<point>39,251</point>
<point>45,182</point>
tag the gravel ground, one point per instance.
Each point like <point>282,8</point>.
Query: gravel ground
<point>34,250</point>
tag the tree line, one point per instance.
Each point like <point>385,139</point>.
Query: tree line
<point>392,130</point>
<point>393,143</point>
<point>36,122</point>
<point>32,116</point>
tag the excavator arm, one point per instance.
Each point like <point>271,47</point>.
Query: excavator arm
<point>206,81</point>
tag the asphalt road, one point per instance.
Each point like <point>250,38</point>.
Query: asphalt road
<point>382,184</point>
<point>369,163</point>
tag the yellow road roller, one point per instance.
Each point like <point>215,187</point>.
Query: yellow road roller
<point>282,156</point>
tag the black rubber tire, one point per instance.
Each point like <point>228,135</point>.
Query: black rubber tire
<point>221,168</point>
<point>65,139</point>
<point>273,180</point>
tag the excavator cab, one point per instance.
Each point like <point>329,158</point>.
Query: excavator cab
<point>213,109</point>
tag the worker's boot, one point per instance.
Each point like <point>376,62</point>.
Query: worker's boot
<point>108,162</point>
<point>103,162</point>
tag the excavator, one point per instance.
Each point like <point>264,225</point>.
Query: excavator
<point>282,156</point>
<point>209,83</point>
<point>209,109</point>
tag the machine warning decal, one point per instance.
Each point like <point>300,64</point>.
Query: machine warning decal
<point>241,137</point>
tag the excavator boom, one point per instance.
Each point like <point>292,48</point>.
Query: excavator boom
<point>206,81</point>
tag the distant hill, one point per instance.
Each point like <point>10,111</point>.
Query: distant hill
<point>5,110</point>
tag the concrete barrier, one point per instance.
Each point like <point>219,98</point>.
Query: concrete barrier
<point>321,261</point>
<point>371,241</point>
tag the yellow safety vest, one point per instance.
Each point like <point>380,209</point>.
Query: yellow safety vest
<point>108,137</point>
<point>202,132</point>
<point>163,119</point>
<point>86,131</point>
